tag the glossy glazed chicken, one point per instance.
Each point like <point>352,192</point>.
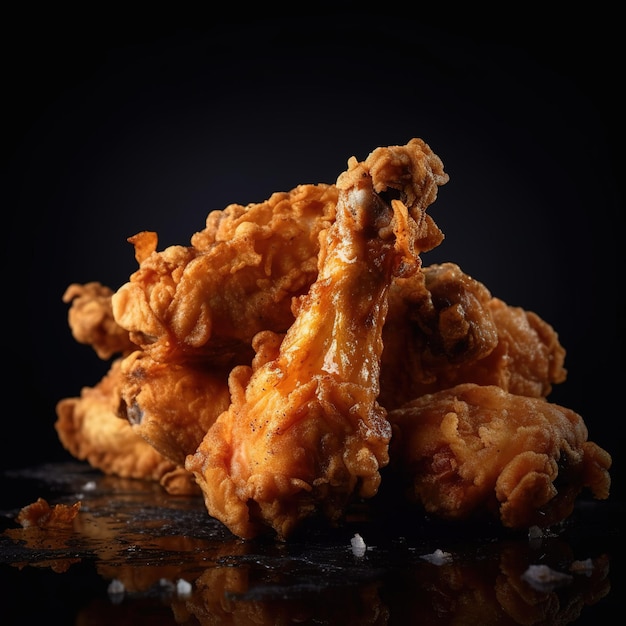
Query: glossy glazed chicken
<point>304,433</point>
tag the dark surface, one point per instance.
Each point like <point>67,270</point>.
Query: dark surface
<point>130,532</point>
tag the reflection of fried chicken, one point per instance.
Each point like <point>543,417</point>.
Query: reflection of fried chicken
<point>220,596</point>
<point>474,449</point>
<point>304,431</point>
<point>444,328</point>
<point>237,278</point>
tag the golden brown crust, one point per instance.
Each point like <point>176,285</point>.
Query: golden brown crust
<point>171,405</point>
<point>91,319</point>
<point>445,328</point>
<point>89,428</point>
<point>237,278</point>
<point>42,515</point>
<point>304,432</point>
<point>476,449</point>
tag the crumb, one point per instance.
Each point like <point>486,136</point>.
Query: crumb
<point>42,515</point>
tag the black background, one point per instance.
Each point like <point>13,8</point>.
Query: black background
<point>119,124</point>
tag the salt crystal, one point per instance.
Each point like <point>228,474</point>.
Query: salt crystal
<point>358,545</point>
<point>438,557</point>
<point>543,578</point>
<point>116,590</point>
<point>183,588</point>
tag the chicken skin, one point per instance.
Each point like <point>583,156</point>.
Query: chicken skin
<point>445,328</point>
<point>304,433</point>
<point>89,428</point>
<point>237,278</point>
<point>476,451</point>
<point>297,357</point>
<point>172,405</point>
<point>91,320</point>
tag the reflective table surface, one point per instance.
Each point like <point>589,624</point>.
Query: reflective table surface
<point>134,554</point>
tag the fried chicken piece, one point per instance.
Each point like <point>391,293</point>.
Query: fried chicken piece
<point>529,359</point>
<point>445,328</point>
<point>91,320</point>
<point>477,450</point>
<point>42,515</point>
<point>172,405</point>
<point>304,432</point>
<point>90,430</point>
<point>90,427</point>
<point>237,278</point>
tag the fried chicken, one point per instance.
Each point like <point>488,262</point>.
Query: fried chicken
<point>237,278</point>
<point>90,430</point>
<point>91,427</point>
<point>305,433</point>
<point>445,328</point>
<point>475,450</point>
<point>91,320</point>
<point>172,405</point>
<point>269,363</point>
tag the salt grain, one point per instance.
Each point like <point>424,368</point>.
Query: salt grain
<point>438,557</point>
<point>543,578</point>
<point>183,588</point>
<point>116,590</point>
<point>358,545</point>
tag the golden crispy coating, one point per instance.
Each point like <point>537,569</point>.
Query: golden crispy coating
<point>476,449</point>
<point>90,430</point>
<point>237,278</point>
<point>268,363</point>
<point>172,405</point>
<point>529,358</point>
<point>304,432</point>
<point>42,515</point>
<point>445,328</point>
<point>91,320</point>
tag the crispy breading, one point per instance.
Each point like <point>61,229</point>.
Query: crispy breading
<point>304,433</point>
<point>445,328</point>
<point>91,320</point>
<point>237,278</point>
<point>172,405</point>
<point>90,430</point>
<point>474,449</point>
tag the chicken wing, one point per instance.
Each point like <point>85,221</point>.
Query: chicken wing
<point>90,430</point>
<point>476,450</point>
<point>445,328</point>
<point>237,278</point>
<point>304,432</point>
<point>91,320</point>
<point>172,405</point>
